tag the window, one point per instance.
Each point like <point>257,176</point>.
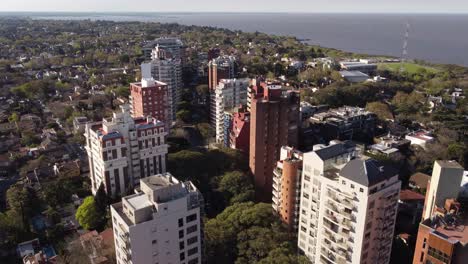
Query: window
<point>361,189</point>
<point>192,240</point>
<point>181,233</point>
<point>181,222</point>
<point>182,256</point>
<point>352,186</point>
<point>193,261</point>
<point>191,218</point>
<point>343,182</point>
<point>192,251</point>
<point>367,236</point>
<point>181,245</point>
<point>422,257</point>
<point>192,229</point>
<point>371,204</point>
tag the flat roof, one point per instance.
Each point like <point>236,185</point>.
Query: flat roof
<point>353,74</point>
<point>139,201</point>
<point>449,164</point>
<point>158,181</point>
<point>456,234</point>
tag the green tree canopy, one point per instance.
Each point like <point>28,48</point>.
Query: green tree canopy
<point>236,187</point>
<point>382,110</point>
<point>88,214</point>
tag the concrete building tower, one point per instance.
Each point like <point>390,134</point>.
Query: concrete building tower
<point>122,150</point>
<point>443,231</point>
<point>227,95</point>
<point>274,123</point>
<point>159,224</point>
<point>348,206</point>
<point>168,70</point>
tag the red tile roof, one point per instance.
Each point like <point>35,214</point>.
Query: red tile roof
<point>408,195</point>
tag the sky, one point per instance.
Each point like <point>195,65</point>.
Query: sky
<point>302,6</point>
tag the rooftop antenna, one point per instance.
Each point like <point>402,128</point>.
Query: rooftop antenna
<point>404,53</point>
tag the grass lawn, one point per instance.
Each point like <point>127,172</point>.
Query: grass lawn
<point>407,66</point>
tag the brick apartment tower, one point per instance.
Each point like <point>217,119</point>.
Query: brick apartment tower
<point>240,132</point>
<point>274,123</point>
<point>150,98</point>
<point>287,186</point>
<point>222,67</point>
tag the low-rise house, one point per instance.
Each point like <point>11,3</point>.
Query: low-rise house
<point>418,181</point>
<point>7,127</point>
<point>411,205</point>
<point>98,246</point>
<point>354,76</point>
<point>31,252</point>
<point>420,138</point>
<point>68,169</point>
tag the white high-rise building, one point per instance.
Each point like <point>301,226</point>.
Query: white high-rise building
<point>160,224</point>
<point>174,46</point>
<point>168,70</point>
<point>348,206</point>
<point>122,150</point>
<point>228,94</point>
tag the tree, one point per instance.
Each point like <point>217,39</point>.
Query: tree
<point>88,214</point>
<point>29,139</point>
<point>183,115</point>
<point>13,118</point>
<point>206,130</point>
<point>244,233</point>
<point>56,194</point>
<point>236,187</point>
<point>380,109</point>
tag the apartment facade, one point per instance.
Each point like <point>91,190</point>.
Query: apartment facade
<point>150,98</point>
<point>274,121</point>
<point>240,132</point>
<point>168,70</point>
<point>348,206</point>
<point>228,94</point>
<point>122,150</point>
<point>222,67</point>
<point>174,48</point>
<point>287,186</point>
<point>159,224</point>
<point>443,231</point>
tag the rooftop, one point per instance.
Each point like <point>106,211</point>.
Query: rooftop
<point>331,151</point>
<point>159,182</point>
<point>366,172</point>
<point>345,74</point>
<point>449,164</point>
<point>449,227</point>
<point>408,195</point>
<point>138,201</point>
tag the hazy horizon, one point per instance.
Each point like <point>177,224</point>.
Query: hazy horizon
<point>238,6</point>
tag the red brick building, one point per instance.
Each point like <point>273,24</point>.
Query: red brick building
<point>274,123</point>
<point>240,132</point>
<point>150,98</point>
<point>443,232</point>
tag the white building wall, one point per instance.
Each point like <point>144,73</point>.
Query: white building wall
<point>161,239</point>
<point>363,218</point>
<point>228,94</point>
